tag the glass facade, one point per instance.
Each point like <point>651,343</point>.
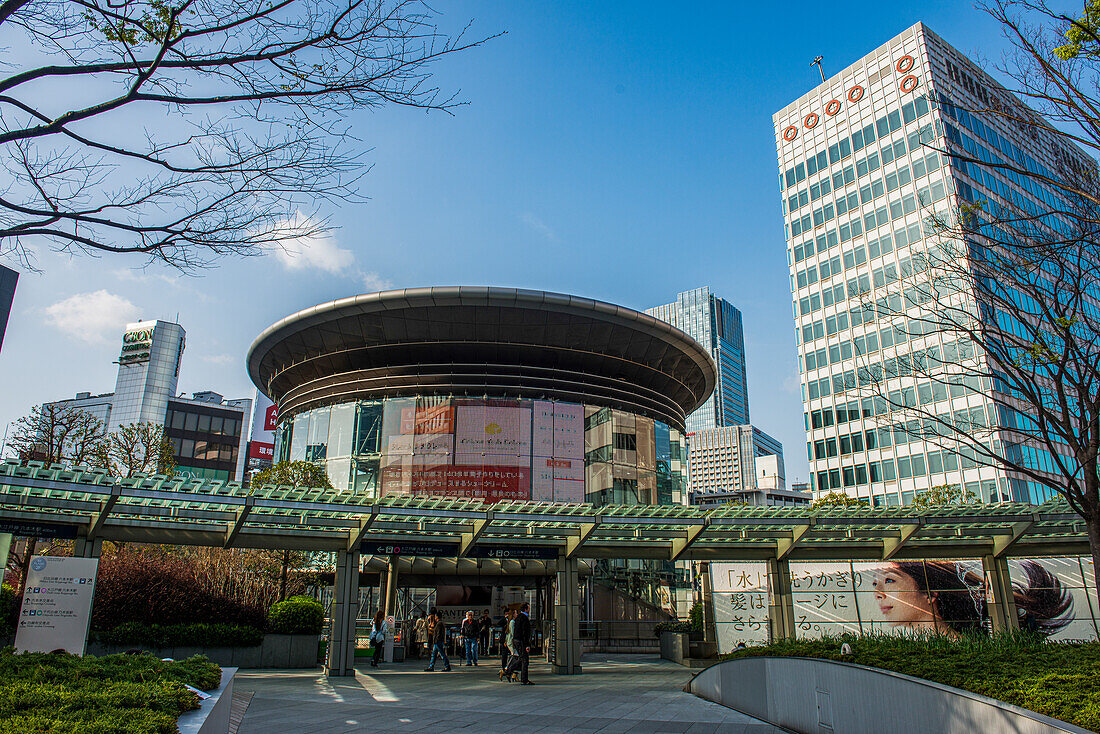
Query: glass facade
<point>145,385</point>
<point>490,449</point>
<point>205,439</point>
<point>716,324</point>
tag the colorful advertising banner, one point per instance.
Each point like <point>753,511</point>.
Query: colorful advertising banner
<point>57,605</point>
<point>1054,598</point>
<point>261,443</point>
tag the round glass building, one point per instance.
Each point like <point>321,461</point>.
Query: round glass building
<point>488,393</point>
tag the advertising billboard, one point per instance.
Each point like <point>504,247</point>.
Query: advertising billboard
<point>261,442</point>
<point>557,452</point>
<point>1053,598</point>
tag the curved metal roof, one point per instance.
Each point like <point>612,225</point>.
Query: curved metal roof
<point>480,341</point>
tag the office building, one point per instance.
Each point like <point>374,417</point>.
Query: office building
<point>208,433</point>
<point>716,324</point>
<point>754,496</point>
<point>725,459</point>
<point>859,175</point>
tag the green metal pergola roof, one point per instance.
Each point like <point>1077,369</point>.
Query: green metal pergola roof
<point>156,509</point>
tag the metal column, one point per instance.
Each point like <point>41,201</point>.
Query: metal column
<point>84,548</point>
<point>567,627</point>
<point>1001,602</point>
<point>390,606</point>
<point>781,605</point>
<point>710,628</point>
<point>345,608</point>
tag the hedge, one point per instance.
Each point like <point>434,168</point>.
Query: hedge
<point>181,635</point>
<point>298,615</point>
<point>9,609</point>
<point>116,694</point>
<point>1053,678</point>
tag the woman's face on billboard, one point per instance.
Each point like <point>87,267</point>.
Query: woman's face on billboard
<point>899,600</point>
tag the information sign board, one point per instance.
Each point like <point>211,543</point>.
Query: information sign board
<point>57,605</point>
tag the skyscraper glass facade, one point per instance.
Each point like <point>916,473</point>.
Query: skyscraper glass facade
<point>716,324</point>
<point>149,370</point>
<point>860,177</point>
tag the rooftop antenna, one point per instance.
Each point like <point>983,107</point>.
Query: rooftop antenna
<point>817,62</point>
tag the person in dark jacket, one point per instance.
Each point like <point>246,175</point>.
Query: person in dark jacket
<point>469,630</point>
<point>485,629</point>
<point>521,641</point>
<point>437,638</point>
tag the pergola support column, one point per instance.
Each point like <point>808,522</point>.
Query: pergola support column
<point>1002,603</point>
<point>567,623</point>
<point>781,606</point>
<point>345,605</point>
<point>710,628</point>
<point>391,587</point>
<point>87,547</point>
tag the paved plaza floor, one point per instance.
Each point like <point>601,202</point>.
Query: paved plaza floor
<point>616,693</point>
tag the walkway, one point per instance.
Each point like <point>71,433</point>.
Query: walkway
<point>616,693</point>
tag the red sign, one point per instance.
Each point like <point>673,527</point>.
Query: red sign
<point>260,450</point>
<point>437,419</point>
<point>489,483</point>
<point>271,418</point>
<point>559,463</point>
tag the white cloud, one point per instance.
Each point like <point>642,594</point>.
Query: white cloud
<point>375,282</point>
<point>539,226</point>
<point>318,251</point>
<point>92,317</point>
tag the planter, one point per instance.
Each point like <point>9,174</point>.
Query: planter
<point>276,651</point>
<point>675,646</point>
<point>212,716</point>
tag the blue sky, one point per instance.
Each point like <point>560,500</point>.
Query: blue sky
<point>620,151</point>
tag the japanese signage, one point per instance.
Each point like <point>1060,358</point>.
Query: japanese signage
<point>31,529</point>
<point>514,552</point>
<point>390,548</point>
<point>57,604</point>
<point>265,417</point>
<point>740,592</point>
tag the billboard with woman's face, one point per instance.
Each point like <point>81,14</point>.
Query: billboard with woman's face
<point>1054,597</point>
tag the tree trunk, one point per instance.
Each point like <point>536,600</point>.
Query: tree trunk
<point>282,575</point>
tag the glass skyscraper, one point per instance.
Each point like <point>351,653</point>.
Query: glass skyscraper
<point>860,176</point>
<point>716,324</point>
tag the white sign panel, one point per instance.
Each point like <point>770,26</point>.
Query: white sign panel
<point>57,605</point>
<point>741,596</point>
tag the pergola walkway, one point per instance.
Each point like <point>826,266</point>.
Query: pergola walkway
<point>617,693</point>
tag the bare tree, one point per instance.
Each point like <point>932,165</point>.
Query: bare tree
<point>1003,309</point>
<point>181,131</point>
<point>57,434</point>
<point>138,448</point>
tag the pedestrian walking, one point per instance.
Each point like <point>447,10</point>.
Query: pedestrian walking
<point>505,641</point>
<point>421,635</point>
<point>485,629</point>
<point>470,630</point>
<point>378,630</point>
<point>521,643</point>
<point>437,638</point>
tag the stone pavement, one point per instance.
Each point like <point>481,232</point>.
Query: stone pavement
<point>616,693</point>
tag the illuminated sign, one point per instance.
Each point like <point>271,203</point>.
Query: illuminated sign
<point>136,345</point>
<point>855,93</point>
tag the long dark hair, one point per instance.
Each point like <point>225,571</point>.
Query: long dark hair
<point>958,596</point>
<point>378,617</point>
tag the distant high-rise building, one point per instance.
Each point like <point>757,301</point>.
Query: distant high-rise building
<point>716,324</point>
<point>725,459</point>
<point>148,372</point>
<point>859,172</point>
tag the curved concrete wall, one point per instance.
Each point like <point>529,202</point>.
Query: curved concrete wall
<point>822,696</point>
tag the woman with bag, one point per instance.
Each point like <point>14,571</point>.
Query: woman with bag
<point>377,637</point>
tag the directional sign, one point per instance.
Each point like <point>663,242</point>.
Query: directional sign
<point>30,529</point>
<point>396,548</point>
<point>514,552</point>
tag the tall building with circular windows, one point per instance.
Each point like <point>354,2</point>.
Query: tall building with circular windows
<point>486,393</point>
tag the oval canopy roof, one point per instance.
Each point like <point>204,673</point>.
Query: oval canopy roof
<point>475,341</point>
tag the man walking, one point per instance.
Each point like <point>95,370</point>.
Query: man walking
<point>521,640</point>
<point>484,630</point>
<point>437,637</point>
<point>469,630</point>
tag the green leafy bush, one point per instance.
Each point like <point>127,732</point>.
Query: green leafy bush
<point>181,635</point>
<point>672,626</point>
<point>9,610</point>
<point>298,615</point>
<point>695,616</point>
<point>1053,678</point>
<point>115,694</point>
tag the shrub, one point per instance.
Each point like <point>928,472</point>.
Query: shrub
<point>152,586</point>
<point>672,626</point>
<point>181,635</point>
<point>298,615</point>
<point>1053,678</point>
<point>695,616</point>
<point>123,694</point>
<point>9,610</point>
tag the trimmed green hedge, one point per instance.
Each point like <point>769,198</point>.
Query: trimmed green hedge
<point>116,694</point>
<point>181,635</point>
<point>1053,678</point>
<point>298,615</point>
<point>673,626</point>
